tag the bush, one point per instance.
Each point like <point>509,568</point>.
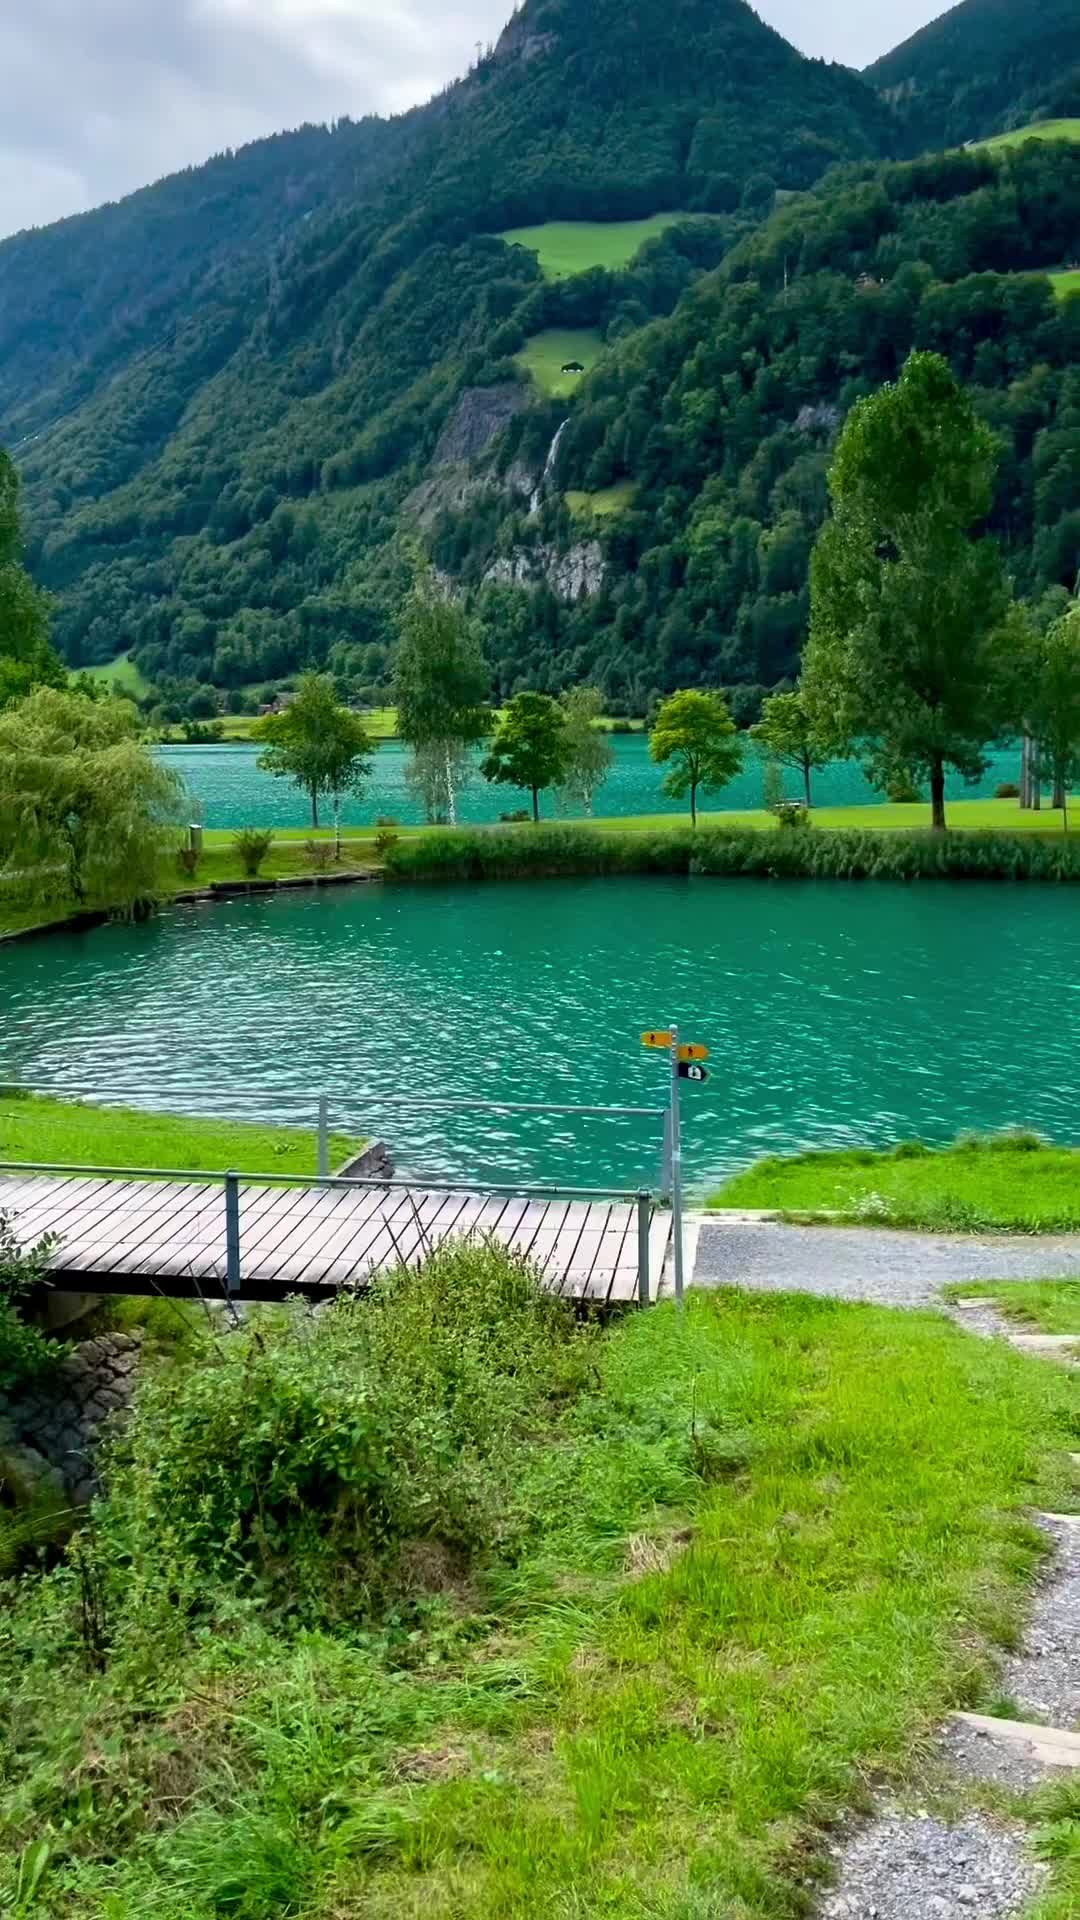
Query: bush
<point>187,861</point>
<point>24,1350</point>
<point>320,854</point>
<point>1007,791</point>
<point>252,846</point>
<point>317,1463</point>
<point>903,793</point>
<point>384,840</point>
<point>518,819</point>
<point>793,817</point>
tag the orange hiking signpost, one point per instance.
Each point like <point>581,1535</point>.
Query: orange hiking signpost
<point>685,1059</point>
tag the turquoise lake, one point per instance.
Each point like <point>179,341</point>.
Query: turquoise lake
<point>229,790</point>
<point>835,1014</point>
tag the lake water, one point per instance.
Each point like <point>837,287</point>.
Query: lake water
<point>835,1013</point>
<point>229,790</point>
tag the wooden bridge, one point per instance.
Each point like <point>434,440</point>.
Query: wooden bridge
<point>265,1239</point>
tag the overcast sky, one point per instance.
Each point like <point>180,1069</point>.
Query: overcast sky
<point>100,96</point>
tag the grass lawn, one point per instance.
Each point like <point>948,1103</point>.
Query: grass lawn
<point>604,504</point>
<point>122,675</point>
<point>33,1128</point>
<point>1042,130</point>
<point>1008,1181</point>
<point>545,355</point>
<point>1066,283</point>
<point>566,247</point>
<point>1042,1306</point>
<point>765,1550</point>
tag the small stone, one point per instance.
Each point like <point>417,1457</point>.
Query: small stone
<point>967,1895</point>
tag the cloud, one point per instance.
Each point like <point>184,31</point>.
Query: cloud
<point>98,97</point>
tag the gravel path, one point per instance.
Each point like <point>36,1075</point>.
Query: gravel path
<point>871,1263</point>
<point>914,1868</point>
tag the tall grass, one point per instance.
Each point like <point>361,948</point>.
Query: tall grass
<point>510,853</point>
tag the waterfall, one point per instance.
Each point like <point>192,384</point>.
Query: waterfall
<point>549,468</point>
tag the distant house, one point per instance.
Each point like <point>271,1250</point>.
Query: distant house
<point>574,366</point>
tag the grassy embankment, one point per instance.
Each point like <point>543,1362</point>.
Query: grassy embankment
<point>847,842</point>
<point>1037,1306</point>
<point>1011,1182</point>
<point>606,1624</point>
<point>566,247</point>
<point>509,853</point>
<point>39,1129</point>
<point>121,676</point>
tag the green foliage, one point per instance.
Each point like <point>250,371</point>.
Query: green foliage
<point>252,845</point>
<point>317,743</point>
<point>589,756</point>
<point>1053,709</point>
<point>567,247</point>
<point>983,66</point>
<point>307,1460</point>
<point>26,658</point>
<point>772,785</point>
<point>531,747</point>
<point>695,737</point>
<point>786,731</point>
<point>86,812</point>
<point>24,1349</point>
<point>912,650</point>
<point>441,686</point>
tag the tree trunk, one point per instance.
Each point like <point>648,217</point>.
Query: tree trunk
<point>806,783</point>
<point>536,806</point>
<point>337,826</point>
<point>1059,794</point>
<point>693,803</point>
<point>451,797</point>
<point>937,795</point>
<point>1036,777</point>
<point>315,808</point>
<point>1025,773</point>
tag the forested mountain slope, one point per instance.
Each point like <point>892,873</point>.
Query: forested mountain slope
<point>711,431</point>
<point>982,68</point>
<point>217,488</point>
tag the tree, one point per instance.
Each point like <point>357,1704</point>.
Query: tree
<point>589,755</point>
<point>437,772</point>
<point>317,743</point>
<point>441,686</point>
<point>786,732</point>
<point>26,658</point>
<point>85,809</point>
<point>912,621</point>
<point>1054,710</point>
<point>530,748</point>
<point>695,736</point>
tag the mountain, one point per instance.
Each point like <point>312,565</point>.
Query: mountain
<point>225,387</point>
<point>986,67</point>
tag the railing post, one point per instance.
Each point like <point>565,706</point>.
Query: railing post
<point>232,1233</point>
<point>665,1158</point>
<point>644,1222</point>
<point>324,1137</point>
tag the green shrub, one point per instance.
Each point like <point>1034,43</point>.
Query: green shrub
<point>187,861</point>
<point>252,846</point>
<point>24,1350</point>
<point>903,792</point>
<point>317,1463</point>
<point>320,855</point>
<point>1007,791</point>
<point>384,840</point>
<point>793,817</point>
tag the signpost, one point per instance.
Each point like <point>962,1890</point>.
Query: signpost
<point>686,1058</point>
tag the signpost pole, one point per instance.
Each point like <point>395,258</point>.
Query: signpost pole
<point>676,1165</point>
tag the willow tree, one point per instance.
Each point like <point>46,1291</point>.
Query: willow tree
<point>913,639</point>
<point>86,812</point>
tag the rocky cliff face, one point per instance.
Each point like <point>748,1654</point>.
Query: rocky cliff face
<point>574,575</point>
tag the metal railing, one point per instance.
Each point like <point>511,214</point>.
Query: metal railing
<point>232,1182</point>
